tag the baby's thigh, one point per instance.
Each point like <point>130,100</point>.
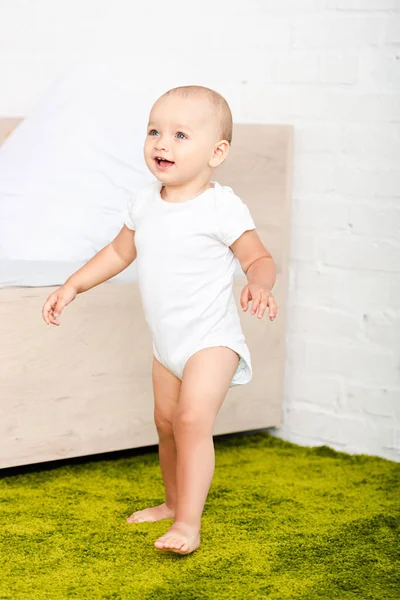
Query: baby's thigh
<point>205,382</point>
<point>166,389</point>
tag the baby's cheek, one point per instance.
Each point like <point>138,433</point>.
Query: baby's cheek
<point>149,161</point>
<point>196,159</point>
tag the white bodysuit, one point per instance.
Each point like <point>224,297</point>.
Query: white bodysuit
<point>185,273</point>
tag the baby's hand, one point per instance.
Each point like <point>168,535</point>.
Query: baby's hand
<point>261,298</point>
<point>55,303</point>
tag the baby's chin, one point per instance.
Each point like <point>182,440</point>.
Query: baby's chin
<point>167,177</point>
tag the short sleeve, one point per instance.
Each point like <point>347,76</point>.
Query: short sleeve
<point>129,215</point>
<point>136,203</point>
<point>234,216</point>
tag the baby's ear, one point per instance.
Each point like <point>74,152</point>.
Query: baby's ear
<point>220,152</point>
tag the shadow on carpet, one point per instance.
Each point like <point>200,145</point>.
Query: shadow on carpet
<point>281,522</point>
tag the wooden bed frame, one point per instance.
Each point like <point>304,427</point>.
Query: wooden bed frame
<point>85,387</point>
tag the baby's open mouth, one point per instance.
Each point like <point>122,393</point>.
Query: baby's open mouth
<point>163,163</point>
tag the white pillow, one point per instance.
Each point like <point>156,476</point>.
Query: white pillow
<point>68,169</point>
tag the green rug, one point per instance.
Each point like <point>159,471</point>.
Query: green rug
<point>281,522</point>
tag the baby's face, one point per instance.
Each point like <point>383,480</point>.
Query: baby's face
<point>183,131</point>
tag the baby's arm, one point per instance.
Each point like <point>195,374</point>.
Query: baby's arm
<point>108,262</point>
<point>260,270</point>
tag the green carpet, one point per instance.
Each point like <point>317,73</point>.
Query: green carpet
<point>281,522</point>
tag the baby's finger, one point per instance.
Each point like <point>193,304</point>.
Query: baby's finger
<point>261,310</point>
<point>255,304</point>
<point>46,311</point>
<point>53,319</point>
<point>50,318</point>
<point>244,298</point>
<point>273,308</point>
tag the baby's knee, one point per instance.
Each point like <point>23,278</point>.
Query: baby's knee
<point>189,421</point>
<point>163,424</point>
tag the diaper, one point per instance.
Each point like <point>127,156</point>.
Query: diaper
<point>176,360</point>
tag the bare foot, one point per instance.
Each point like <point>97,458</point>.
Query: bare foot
<point>156,513</point>
<point>179,538</point>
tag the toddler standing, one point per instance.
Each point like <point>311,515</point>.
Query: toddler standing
<point>185,231</point>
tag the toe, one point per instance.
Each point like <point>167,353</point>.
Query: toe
<point>174,541</point>
<point>133,518</point>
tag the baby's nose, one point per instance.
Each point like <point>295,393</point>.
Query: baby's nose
<point>161,143</point>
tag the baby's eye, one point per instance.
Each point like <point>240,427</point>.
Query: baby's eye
<point>153,132</point>
<point>181,134</point>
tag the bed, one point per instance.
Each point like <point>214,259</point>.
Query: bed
<point>84,388</point>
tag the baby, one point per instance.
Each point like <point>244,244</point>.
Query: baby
<point>186,230</point>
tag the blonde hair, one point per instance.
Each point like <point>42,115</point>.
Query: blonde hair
<point>220,104</point>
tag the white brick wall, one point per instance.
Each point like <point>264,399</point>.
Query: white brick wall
<point>330,67</point>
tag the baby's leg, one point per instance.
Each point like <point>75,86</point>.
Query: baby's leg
<point>205,383</point>
<point>166,387</point>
